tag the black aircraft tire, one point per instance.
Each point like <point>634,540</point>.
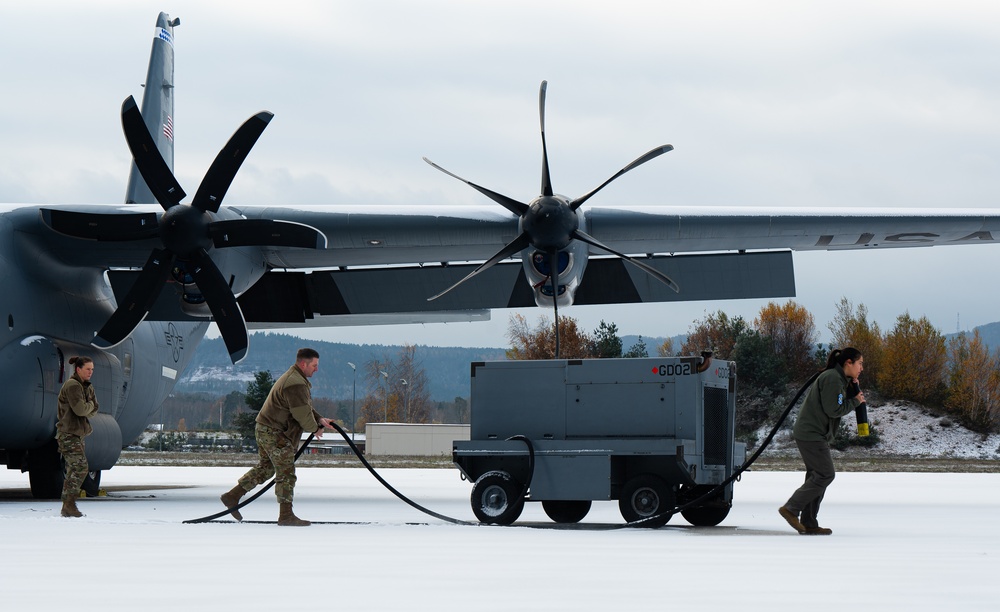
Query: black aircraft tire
<point>644,496</point>
<point>566,511</point>
<point>496,498</point>
<point>45,483</point>
<point>45,471</point>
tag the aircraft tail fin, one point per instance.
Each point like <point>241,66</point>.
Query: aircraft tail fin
<point>157,105</point>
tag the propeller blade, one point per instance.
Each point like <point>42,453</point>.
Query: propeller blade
<point>225,311</point>
<point>518,244</point>
<point>227,163</point>
<point>89,226</point>
<point>510,204</point>
<point>660,276</point>
<point>134,308</point>
<point>658,151</point>
<point>546,180</point>
<point>154,170</point>
<point>554,275</point>
<point>265,232</point>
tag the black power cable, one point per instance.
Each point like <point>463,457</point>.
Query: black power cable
<point>644,522</point>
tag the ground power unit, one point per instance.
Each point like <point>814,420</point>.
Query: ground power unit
<point>652,433</point>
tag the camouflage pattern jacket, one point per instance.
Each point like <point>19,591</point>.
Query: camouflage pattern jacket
<point>288,407</point>
<point>77,402</point>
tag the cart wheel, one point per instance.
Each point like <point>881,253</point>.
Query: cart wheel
<point>562,511</point>
<point>706,516</point>
<point>497,498</point>
<point>644,496</point>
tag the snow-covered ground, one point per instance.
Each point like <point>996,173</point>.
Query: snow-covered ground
<point>902,541</point>
<point>907,429</point>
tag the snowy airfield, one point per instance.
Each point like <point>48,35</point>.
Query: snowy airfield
<point>902,541</point>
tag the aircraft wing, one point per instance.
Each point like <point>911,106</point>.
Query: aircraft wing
<point>381,263</point>
<point>374,235</point>
<point>711,254</point>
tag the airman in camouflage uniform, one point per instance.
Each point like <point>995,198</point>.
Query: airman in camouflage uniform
<point>77,402</point>
<point>286,413</point>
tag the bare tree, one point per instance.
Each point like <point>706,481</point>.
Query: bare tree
<point>915,361</point>
<point>791,331</point>
<point>397,389</point>
<point>540,342</point>
<point>974,383</point>
<point>717,332</point>
<point>851,327</point>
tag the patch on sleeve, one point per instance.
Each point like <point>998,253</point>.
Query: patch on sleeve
<point>840,399</point>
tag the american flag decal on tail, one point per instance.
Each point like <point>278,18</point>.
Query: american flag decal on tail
<point>168,128</point>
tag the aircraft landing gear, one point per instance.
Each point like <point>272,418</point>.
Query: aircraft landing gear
<point>46,474</point>
<point>46,471</point>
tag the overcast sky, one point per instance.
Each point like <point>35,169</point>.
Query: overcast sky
<point>849,104</point>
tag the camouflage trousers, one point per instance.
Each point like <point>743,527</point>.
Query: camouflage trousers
<point>71,449</point>
<point>277,458</point>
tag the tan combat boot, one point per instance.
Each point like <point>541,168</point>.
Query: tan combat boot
<point>69,508</point>
<point>287,518</point>
<point>232,499</point>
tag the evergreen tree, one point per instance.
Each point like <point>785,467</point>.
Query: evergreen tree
<point>257,390</point>
<point>606,342</point>
<point>638,350</point>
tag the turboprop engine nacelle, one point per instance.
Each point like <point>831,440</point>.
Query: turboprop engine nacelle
<point>572,264</point>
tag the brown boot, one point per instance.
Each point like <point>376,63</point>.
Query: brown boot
<point>287,518</point>
<point>792,518</point>
<point>817,530</point>
<point>69,508</point>
<point>232,499</point>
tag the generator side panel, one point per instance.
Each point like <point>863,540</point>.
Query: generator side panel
<point>518,398</point>
<point>621,410</point>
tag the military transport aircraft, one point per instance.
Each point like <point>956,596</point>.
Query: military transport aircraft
<point>135,285</point>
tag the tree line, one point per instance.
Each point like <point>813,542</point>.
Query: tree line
<point>913,361</point>
<point>779,350</point>
<point>775,353</point>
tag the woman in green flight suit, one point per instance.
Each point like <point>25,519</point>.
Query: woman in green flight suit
<point>832,396</point>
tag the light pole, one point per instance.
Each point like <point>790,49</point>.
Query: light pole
<point>385,408</point>
<point>354,402</point>
<point>406,405</point>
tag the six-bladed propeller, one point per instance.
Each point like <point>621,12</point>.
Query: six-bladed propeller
<point>186,233</point>
<point>551,222</point>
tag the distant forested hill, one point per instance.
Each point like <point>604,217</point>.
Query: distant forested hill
<point>211,371</point>
<point>990,333</point>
